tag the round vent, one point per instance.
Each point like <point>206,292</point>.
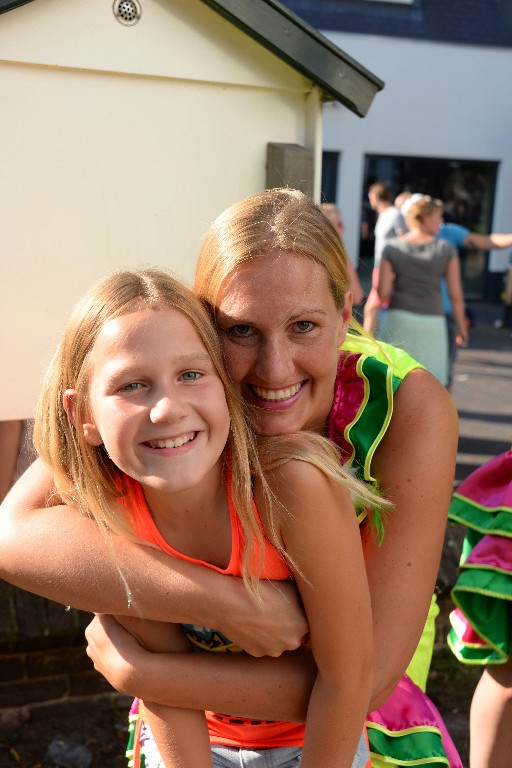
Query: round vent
<point>127,12</point>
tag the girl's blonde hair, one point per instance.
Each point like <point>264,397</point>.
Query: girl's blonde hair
<point>85,475</point>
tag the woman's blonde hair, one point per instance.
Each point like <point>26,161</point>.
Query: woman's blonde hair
<point>420,208</point>
<point>85,475</point>
<point>274,220</point>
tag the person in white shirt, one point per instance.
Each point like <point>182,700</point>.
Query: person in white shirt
<point>390,224</point>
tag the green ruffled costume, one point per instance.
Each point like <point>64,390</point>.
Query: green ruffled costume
<point>408,730</point>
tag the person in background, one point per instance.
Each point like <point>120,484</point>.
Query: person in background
<point>15,452</point>
<point>460,237</point>
<point>410,277</point>
<point>334,216</point>
<point>390,224</point>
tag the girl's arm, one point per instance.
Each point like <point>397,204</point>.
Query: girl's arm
<point>181,735</point>
<point>320,533</point>
<point>386,279</point>
<point>60,554</point>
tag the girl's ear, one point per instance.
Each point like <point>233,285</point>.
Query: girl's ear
<point>91,434</point>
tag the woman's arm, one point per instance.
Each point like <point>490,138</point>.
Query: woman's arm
<point>60,554</point>
<point>219,682</point>
<point>415,466</point>
<point>321,535</point>
<point>386,279</point>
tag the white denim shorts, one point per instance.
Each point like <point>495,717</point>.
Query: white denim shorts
<point>234,757</point>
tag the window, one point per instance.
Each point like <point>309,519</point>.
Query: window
<point>330,162</point>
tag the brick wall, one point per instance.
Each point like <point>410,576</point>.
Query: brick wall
<point>42,655</point>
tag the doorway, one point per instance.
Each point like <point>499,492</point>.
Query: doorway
<point>467,188</point>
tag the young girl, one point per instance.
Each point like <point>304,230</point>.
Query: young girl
<point>141,425</point>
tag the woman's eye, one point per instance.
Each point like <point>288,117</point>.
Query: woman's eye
<point>304,325</point>
<point>240,331</point>
<point>190,376</point>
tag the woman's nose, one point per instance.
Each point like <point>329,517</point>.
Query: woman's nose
<point>275,363</point>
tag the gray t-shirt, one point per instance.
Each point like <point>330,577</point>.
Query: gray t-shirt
<point>418,270</point>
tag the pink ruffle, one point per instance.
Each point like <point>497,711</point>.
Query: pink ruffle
<point>409,707</point>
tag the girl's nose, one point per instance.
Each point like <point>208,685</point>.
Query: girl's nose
<point>167,408</point>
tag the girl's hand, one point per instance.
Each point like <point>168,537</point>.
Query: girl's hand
<point>114,651</point>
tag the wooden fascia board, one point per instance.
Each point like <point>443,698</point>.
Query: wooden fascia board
<point>306,50</point>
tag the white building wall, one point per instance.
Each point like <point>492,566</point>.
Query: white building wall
<point>118,146</point>
<point>439,101</point>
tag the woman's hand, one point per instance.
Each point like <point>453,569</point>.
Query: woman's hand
<point>277,625</point>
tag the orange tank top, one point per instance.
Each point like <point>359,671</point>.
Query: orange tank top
<point>223,729</point>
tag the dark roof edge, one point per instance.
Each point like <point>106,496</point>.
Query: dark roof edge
<point>10,5</point>
<point>297,43</point>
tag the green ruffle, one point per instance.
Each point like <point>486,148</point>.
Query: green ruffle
<point>497,521</point>
<point>401,362</point>
<point>373,417</point>
<point>481,655</point>
<point>132,725</point>
<point>387,748</point>
<point>483,595</point>
<point>381,368</point>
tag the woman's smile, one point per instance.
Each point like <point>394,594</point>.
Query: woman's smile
<point>274,399</point>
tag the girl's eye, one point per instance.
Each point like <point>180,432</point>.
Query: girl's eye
<point>304,325</point>
<point>240,331</point>
<point>131,387</point>
<point>190,376</point>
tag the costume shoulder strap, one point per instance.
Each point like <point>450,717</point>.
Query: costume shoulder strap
<point>369,373</point>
